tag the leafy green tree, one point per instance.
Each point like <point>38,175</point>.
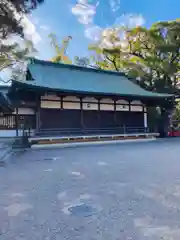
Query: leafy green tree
<point>107,53</point>
<point>9,9</point>
<point>152,56</point>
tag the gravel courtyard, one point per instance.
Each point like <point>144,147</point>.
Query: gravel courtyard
<point>108,192</point>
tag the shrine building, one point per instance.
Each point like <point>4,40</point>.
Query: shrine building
<point>57,99</point>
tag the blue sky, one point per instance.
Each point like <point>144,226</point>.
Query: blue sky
<point>84,20</point>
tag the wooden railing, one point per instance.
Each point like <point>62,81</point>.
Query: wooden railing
<point>91,131</point>
<point>12,122</point>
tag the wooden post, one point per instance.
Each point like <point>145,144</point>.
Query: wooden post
<point>61,102</point>
<point>17,123</point>
<point>81,107</point>
<point>38,102</point>
<point>114,118</point>
<point>99,111</point>
<point>37,119</point>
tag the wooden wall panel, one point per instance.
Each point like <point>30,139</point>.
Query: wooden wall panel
<point>90,119</point>
<point>107,119</point>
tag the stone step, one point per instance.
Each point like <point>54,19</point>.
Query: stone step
<point>88,139</point>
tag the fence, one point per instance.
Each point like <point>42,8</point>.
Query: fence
<point>92,131</point>
<point>21,122</point>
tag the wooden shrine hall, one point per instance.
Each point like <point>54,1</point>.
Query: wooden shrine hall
<point>57,99</point>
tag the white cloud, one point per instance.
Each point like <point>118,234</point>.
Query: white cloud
<point>85,12</point>
<point>93,33</point>
<point>45,27</point>
<point>30,30</point>
<point>130,20</point>
<point>115,5</point>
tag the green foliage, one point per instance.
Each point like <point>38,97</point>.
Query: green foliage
<point>151,55</point>
<point>176,113</point>
<point>9,24</point>
<point>15,56</point>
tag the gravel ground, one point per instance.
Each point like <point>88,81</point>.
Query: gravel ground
<point>114,192</point>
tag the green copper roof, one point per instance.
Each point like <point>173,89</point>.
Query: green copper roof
<point>71,78</point>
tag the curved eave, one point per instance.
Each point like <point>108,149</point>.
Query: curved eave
<point>30,86</point>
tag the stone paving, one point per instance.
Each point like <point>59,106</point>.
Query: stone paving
<point>123,191</point>
<point>5,149</point>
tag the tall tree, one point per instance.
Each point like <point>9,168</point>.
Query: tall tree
<point>10,23</point>
<point>150,55</point>
<point>108,52</point>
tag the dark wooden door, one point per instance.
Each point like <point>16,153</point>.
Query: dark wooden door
<point>130,119</point>
<point>59,119</point>
<point>107,119</point>
<point>90,119</point>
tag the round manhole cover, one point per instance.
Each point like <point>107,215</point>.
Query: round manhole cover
<point>83,210</point>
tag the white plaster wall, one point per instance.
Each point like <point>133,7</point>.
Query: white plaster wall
<point>136,108</point>
<point>90,106</point>
<point>108,107</point>
<point>122,107</point>
<point>90,100</point>
<point>107,100</point>
<point>122,101</point>
<point>12,133</point>
<point>136,102</point>
<point>25,111</point>
<point>73,105</point>
<point>50,104</point>
<point>50,97</point>
<point>71,98</point>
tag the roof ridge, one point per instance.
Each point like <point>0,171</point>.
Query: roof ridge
<point>49,63</point>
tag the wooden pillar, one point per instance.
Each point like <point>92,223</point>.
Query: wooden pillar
<point>81,106</point>
<point>37,119</point>
<point>38,103</point>
<point>114,118</point>
<point>128,118</point>
<point>129,106</point>
<point>17,122</point>
<point>61,102</point>
<point>99,110</point>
